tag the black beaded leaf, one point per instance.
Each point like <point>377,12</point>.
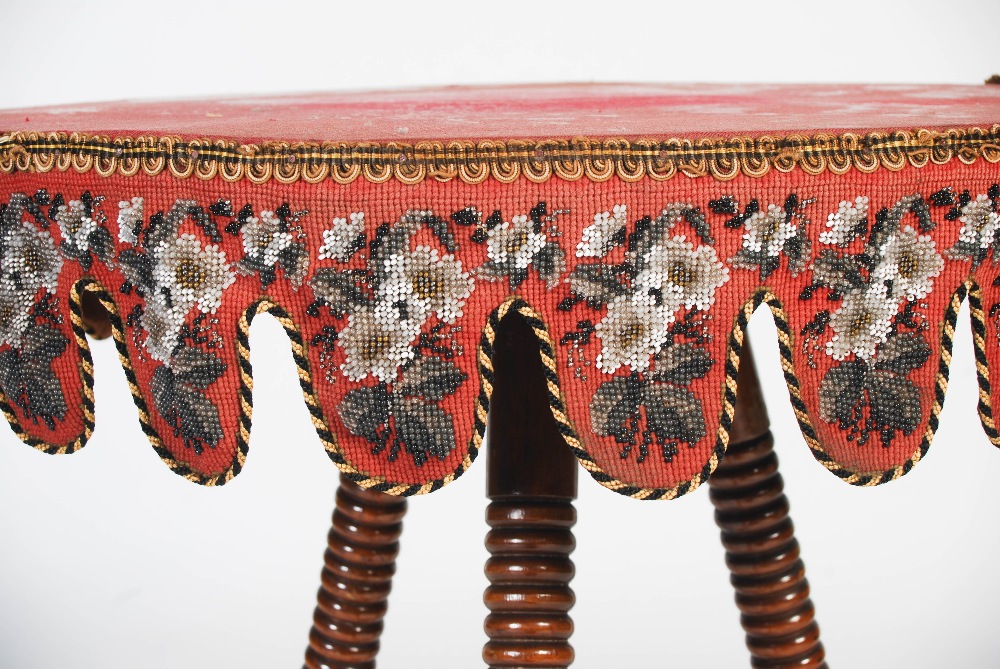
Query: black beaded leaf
<point>682,363</point>
<point>439,228</point>
<point>179,399</point>
<point>840,392</point>
<point>365,411</point>
<point>903,353</point>
<point>101,243</point>
<point>431,378</point>
<point>424,429</point>
<point>196,368</point>
<point>466,217</point>
<point>598,282</point>
<point>494,271</point>
<point>137,268</point>
<point>894,403</point>
<point>550,262</point>
<point>838,272</point>
<point>614,409</point>
<point>27,378</point>
<point>892,400</point>
<point>341,290</point>
<point>673,413</point>
<point>729,205</point>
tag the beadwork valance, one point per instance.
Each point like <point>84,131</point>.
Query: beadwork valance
<point>635,228</point>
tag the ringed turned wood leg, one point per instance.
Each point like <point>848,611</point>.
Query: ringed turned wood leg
<point>761,551</point>
<point>531,485</point>
<point>359,562</point>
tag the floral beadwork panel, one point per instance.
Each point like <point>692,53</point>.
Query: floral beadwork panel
<point>386,289</point>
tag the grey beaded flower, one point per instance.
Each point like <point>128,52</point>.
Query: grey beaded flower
<point>377,342</point>
<point>268,244</point>
<point>515,246</point>
<point>771,233</point>
<point>193,275</point>
<point>343,238</point>
<point>81,224</point>
<point>427,283</point>
<point>980,225</point>
<point>909,263</point>
<point>75,225</point>
<point>30,260</point>
<point>682,274</point>
<point>862,322</point>
<point>633,330</point>
<point>263,238</point>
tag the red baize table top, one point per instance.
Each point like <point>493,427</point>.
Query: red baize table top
<point>635,227</point>
<point>534,111</point>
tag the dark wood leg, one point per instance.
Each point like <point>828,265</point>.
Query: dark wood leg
<point>359,562</point>
<point>531,485</point>
<point>763,557</point>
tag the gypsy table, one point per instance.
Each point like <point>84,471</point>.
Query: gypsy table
<point>561,265</point>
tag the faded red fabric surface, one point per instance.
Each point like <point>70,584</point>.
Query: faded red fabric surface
<point>654,438</point>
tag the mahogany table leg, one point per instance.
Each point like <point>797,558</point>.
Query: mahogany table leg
<point>531,485</point>
<point>761,551</point>
<point>357,575</point>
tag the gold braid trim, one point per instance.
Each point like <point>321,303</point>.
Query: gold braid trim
<point>472,162</point>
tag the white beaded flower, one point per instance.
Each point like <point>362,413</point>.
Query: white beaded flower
<point>767,231</point>
<point>862,322</point>
<point>31,256</point>
<point>633,330</point>
<point>339,241</point>
<point>75,225</point>
<point>910,262</point>
<point>684,275</point>
<point>427,283</point>
<point>515,244</point>
<point>843,225</point>
<point>377,342</point>
<point>979,222</point>
<point>599,236</point>
<point>129,216</point>
<point>193,275</point>
<point>263,239</point>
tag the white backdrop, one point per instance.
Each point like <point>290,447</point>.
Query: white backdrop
<point>108,560</point>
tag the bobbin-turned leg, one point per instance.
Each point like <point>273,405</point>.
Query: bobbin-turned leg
<point>359,562</point>
<point>531,485</point>
<point>761,551</point>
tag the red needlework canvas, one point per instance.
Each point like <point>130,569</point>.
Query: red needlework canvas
<point>635,228</point>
